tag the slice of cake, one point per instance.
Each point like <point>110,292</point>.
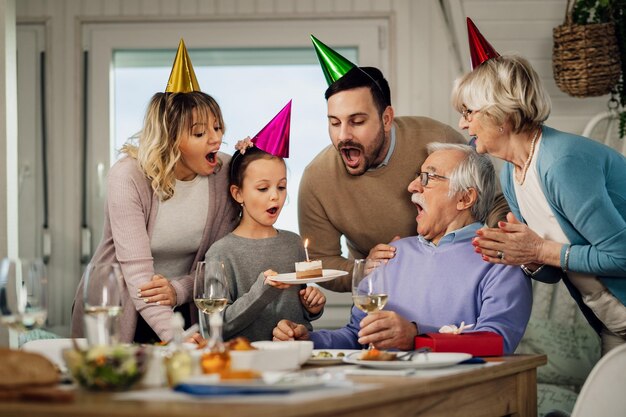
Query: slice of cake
<point>310,269</point>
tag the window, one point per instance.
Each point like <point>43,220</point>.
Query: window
<point>30,41</point>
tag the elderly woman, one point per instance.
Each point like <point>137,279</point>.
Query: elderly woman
<point>567,193</point>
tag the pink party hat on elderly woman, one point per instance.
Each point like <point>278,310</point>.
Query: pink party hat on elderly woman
<point>274,137</point>
<point>480,49</point>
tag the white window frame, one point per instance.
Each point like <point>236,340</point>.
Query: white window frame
<point>30,43</point>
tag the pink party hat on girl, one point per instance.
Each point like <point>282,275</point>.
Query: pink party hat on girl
<point>274,137</point>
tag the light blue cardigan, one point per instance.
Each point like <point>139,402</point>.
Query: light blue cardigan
<point>585,184</point>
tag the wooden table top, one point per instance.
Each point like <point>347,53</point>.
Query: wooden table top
<point>391,390</point>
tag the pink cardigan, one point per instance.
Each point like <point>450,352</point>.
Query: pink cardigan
<point>129,217</point>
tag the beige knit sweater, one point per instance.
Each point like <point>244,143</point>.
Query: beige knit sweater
<point>129,217</point>
<point>367,209</point>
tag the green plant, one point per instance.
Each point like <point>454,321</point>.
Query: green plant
<point>601,11</point>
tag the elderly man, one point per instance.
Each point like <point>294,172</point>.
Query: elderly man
<point>364,173</point>
<point>436,278</point>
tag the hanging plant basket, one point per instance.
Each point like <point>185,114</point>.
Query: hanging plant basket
<point>585,58</point>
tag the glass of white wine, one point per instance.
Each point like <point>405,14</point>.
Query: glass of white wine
<point>23,286</point>
<point>103,303</point>
<point>369,291</point>
<point>210,294</point>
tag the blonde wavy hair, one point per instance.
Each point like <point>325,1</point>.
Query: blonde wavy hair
<point>505,88</point>
<point>168,117</point>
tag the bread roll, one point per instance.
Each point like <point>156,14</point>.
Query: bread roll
<point>25,369</point>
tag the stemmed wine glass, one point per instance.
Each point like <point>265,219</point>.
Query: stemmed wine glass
<point>369,290</point>
<point>210,294</point>
<point>102,302</point>
<point>23,286</point>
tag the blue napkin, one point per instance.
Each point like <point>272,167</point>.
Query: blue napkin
<point>475,359</point>
<point>215,390</point>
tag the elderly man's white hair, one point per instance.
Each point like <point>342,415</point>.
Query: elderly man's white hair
<point>474,171</point>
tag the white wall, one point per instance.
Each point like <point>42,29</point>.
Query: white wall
<point>422,69</point>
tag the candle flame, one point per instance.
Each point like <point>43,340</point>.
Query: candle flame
<point>306,243</point>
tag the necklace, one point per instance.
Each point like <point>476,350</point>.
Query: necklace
<point>530,158</point>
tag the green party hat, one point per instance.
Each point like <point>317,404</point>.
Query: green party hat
<point>333,65</point>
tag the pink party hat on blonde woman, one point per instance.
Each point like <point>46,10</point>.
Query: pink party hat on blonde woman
<point>274,137</point>
<point>480,49</point>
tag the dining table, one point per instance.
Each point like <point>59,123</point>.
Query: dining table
<point>502,386</point>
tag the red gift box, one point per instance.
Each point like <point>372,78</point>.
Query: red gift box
<point>474,343</point>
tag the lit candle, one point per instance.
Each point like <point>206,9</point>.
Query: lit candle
<point>306,251</point>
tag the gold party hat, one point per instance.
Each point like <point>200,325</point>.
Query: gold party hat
<point>182,78</point>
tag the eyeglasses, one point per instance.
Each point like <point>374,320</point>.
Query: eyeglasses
<point>467,113</point>
<point>426,176</point>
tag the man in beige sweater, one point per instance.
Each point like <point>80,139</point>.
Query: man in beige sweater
<point>357,187</point>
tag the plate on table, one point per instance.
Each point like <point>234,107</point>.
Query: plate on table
<point>212,385</point>
<point>328,356</point>
<point>418,361</point>
<point>290,278</point>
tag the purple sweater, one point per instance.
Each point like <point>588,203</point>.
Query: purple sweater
<point>446,284</point>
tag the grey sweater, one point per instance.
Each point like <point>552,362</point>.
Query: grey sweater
<point>254,308</point>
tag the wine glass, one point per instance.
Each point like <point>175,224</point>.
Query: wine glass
<point>102,302</point>
<point>210,294</point>
<point>23,286</point>
<point>369,291</point>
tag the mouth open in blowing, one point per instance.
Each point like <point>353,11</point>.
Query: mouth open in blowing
<point>211,157</point>
<point>351,155</point>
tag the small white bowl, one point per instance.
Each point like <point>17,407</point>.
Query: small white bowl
<point>305,348</point>
<point>269,356</point>
<point>263,360</point>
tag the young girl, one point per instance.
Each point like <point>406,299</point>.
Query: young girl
<point>255,249</point>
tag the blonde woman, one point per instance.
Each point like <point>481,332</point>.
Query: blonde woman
<point>167,202</point>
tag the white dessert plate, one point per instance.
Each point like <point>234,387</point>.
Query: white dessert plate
<point>418,361</point>
<point>335,358</point>
<point>290,278</point>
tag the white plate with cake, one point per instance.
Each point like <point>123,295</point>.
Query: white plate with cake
<point>292,278</point>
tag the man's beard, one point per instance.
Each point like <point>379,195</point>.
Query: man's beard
<point>369,157</point>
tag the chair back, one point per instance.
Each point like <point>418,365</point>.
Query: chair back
<point>604,392</point>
